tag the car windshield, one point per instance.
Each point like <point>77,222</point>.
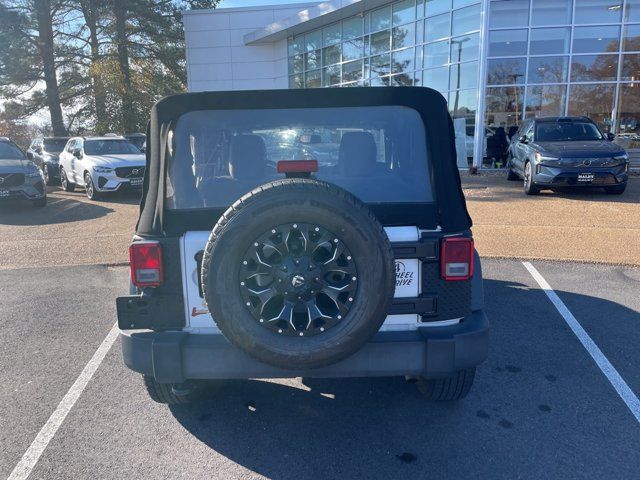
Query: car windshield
<point>54,145</point>
<point>567,132</point>
<point>137,140</point>
<point>110,147</point>
<point>377,153</point>
<point>8,151</point>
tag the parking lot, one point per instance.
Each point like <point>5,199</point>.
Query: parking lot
<point>546,404</point>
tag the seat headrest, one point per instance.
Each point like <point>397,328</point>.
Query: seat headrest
<point>247,157</point>
<point>358,153</point>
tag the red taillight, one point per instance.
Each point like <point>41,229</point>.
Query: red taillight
<point>297,166</point>
<point>145,260</point>
<point>456,258</point>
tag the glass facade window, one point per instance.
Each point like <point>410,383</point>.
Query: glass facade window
<point>404,12</point>
<point>437,78</point>
<point>632,11</point>
<point>543,57</point>
<point>506,71</point>
<point>550,12</point>
<point>465,48</point>
<point>403,36</point>
<point>548,69</point>
<point>465,20</point>
<point>508,13</point>
<point>631,40</point>
<point>630,67</point>
<point>436,53</point>
<point>628,119</point>
<point>545,100</point>
<point>594,101</point>
<point>594,68</point>
<point>598,11</point>
<point>463,75</point>
<point>549,41</point>
<point>596,39</point>
<point>506,43</point>
<point>438,27</point>
<point>433,7</point>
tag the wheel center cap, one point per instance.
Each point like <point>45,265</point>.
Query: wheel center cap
<point>297,281</point>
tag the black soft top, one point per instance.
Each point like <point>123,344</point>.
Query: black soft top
<point>449,211</point>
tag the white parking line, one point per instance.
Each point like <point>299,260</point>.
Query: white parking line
<point>603,363</point>
<point>33,453</point>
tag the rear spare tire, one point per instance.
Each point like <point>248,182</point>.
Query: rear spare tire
<point>298,273</point>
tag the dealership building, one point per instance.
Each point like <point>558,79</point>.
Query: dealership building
<point>496,62</point>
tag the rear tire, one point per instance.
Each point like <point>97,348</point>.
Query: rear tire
<point>447,389</point>
<point>166,393</point>
<point>511,175</point>
<point>66,185</point>
<point>617,190</point>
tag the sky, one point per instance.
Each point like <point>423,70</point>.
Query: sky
<point>254,3</point>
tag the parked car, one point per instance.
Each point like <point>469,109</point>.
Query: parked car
<point>101,165</point>
<point>20,178</point>
<point>364,267</point>
<point>556,152</point>
<point>45,152</point>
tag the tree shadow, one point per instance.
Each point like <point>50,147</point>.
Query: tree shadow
<point>58,210</point>
<point>382,427</point>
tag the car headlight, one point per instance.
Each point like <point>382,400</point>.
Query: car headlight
<point>618,159</point>
<point>99,169</point>
<point>550,161</point>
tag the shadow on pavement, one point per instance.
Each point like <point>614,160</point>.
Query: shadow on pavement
<point>496,188</point>
<point>536,376</point>
<point>58,210</point>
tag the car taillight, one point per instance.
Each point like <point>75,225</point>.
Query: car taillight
<point>145,260</point>
<point>456,258</point>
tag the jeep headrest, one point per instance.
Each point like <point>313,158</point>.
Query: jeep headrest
<point>358,153</point>
<point>247,157</point>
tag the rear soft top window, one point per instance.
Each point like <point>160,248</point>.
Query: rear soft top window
<point>377,153</point>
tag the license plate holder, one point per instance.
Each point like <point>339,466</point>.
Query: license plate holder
<point>586,177</point>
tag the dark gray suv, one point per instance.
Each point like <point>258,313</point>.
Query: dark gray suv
<point>20,178</point>
<point>556,152</point>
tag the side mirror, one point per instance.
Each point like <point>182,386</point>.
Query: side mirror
<point>523,139</point>
<point>611,137</point>
<point>77,153</point>
<point>38,149</point>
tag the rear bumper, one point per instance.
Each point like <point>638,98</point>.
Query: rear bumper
<point>173,357</point>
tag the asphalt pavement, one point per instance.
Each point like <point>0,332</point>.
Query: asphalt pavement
<point>540,406</point>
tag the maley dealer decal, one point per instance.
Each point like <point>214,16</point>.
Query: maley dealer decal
<point>404,278</point>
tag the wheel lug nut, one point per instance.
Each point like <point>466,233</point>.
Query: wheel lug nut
<point>279,330</point>
<point>339,317</point>
<point>301,334</point>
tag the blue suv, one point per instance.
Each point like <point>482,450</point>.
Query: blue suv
<point>556,152</point>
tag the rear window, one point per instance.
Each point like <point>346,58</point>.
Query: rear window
<point>377,153</point>
<point>54,145</point>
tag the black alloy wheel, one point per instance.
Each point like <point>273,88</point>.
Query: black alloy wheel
<point>298,279</point>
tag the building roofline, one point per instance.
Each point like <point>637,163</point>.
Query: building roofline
<point>220,10</point>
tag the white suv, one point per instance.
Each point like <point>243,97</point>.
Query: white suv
<point>100,165</point>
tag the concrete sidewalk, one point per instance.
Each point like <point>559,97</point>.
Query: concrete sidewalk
<point>585,226</point>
